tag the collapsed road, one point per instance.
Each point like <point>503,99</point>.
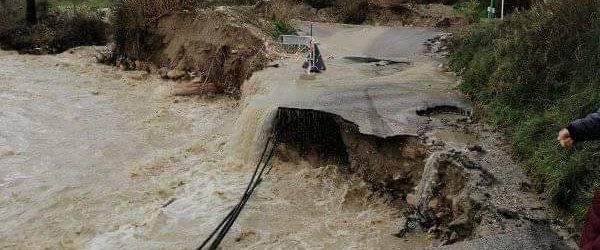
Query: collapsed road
<point>379,151</point>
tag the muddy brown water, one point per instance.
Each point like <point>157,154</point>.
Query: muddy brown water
<point>95,158</point>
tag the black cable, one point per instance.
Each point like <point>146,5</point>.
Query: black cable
<point>227,222</point>
<point>217,229</point>
<point>238,209</point>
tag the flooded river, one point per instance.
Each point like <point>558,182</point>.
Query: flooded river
<point>92,157</point>
<point>96,158</point>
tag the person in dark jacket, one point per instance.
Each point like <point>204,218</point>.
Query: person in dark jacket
<point>586,129</point>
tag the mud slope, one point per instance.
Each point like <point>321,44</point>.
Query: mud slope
<point>220,47</point>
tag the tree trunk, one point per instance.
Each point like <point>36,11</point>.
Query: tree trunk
<point>31,12</point>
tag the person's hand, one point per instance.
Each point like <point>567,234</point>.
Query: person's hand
<point>564,137</point>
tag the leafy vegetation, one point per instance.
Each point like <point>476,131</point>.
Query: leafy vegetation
<point>472,9</point>
<point>283,27</point>
<point>92,4</point>
<point>533,74</point>
<point>354,11</point>
<point>320,4</point>
<point>54,31</point>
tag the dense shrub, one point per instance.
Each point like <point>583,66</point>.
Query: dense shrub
<point>56,32</point>
<point>353,11</point>
<point>320,4</point>
<point>90,4</point>
<point>472,9</point>
<point>12,13</point>
<point>476,10</point>
<point>282,27</point>
<point>435,1</point>
<point>534,73</point>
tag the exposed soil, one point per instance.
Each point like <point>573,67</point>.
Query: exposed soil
<point>442,189</point>
<point>222,46</point>
<point>391,165</point>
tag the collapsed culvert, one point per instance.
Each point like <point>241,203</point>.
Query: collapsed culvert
<point>434,191</point>
<point>314,135</point>
<point>390,165</point>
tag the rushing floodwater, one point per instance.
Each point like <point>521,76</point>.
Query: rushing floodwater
<point>90,156</point>
<point>95,158</point>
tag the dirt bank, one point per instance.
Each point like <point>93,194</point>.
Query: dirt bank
<point>450,188</point>
<point>220,47</point>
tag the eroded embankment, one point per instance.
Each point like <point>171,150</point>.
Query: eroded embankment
<point>447,192</point>
<point>392,165</point>
<point>215,49</point>
<point>432,189</point>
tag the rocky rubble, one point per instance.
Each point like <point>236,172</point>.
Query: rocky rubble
<point>451,193</point>
<point>438,45</point>
<point>444,200</point>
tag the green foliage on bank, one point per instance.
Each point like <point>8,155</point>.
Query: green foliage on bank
<point>282,27</point>
<point>57,29</point>
<point>92,4</point>
<point>532,74</point>
<point>474,10</point>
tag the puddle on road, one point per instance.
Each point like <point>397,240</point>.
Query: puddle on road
<point>373,67</point>
<point>371,60</point>
<point>454,137</point>
<point>447,122</point>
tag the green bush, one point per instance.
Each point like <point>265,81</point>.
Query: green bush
<point>320,4</point>
<point>474,10</point>
<point>534,73</point>
<point>353,11</point>
<point>91,4</point>
<point>56,32</point>
<point>282,27</point>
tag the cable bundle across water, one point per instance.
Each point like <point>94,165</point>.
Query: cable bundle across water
<point>262,167</point>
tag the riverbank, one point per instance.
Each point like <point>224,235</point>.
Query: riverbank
<point>531,75</point>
